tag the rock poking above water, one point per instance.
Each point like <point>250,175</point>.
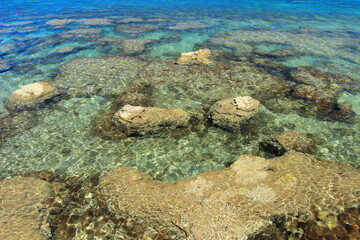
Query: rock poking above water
<point>288,142</point>
<point>198,57</point>
<point>23,211</point>
<point>230,113</point>
<point>142,120</point>
<point>233,203</point>
<point>30,95</point>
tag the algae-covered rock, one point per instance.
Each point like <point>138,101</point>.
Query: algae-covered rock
<point>231,112</point>
<point>30,95</point>
<point>234,203</point>
<point>23,211</point>
<point>198,57</point>
<point>141,120</point>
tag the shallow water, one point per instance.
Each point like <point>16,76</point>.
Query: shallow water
<point>99,51</point>
<point>61,141</point>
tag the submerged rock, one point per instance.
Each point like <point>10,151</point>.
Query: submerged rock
<point>324,80</point>
<point>3,66</point>
<point>231,112</point>
<point>325,102</point>
<point>142,120</point>
<point>135,28</point>
<point>59,22</point>
<point>233,203</point>
<point>131,19</point>
<point>23,211</point>
<point>187,25</point>
<point>288,142</point>
<point>30,95</point>
<point>94,21</point>
<point>99,76</point>
<point>128,46</point>
<point>198,57</point>
<point>66,49</point>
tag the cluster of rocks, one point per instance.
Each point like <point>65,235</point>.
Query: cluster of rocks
<point>239,202</point>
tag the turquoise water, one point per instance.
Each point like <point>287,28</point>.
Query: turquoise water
<point>322,35</point>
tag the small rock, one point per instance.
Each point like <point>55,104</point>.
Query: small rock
<point>198,57</point>
<point>288,142</point>
<point>28,96</point>
<point>231,112</point>
<point>142,120</point>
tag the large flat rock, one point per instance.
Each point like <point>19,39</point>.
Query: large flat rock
<point>234,203</point>
<point>23,209</point>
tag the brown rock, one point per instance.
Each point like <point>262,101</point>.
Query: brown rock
<point>295,141</point>
<point>29,95</point>
<point>23,211</point>
<point>198,57</point>
<point>233,203</point>
<point>288,142</point>
<point>32,91</point>
<point>141,120</point>
<point>231,112</point>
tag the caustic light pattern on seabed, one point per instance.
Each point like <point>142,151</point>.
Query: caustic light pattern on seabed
<point>301,60</point>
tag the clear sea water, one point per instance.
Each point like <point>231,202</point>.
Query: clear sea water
<point>324,35</point>
<point>100,51</point>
